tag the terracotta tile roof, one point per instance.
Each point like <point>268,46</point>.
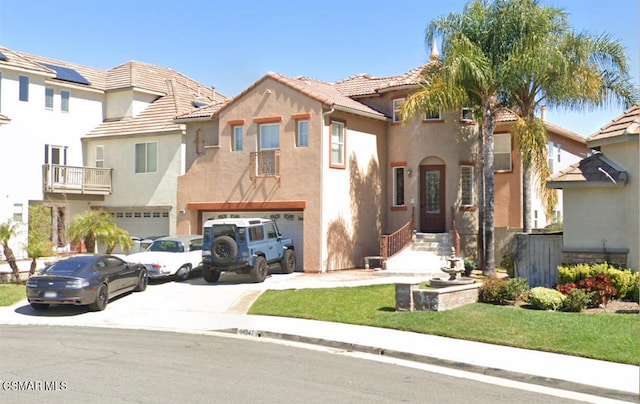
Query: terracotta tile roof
<point>619,129</point>
<point>364,84</point>
<point>33,62</point>
<point>594,171</point>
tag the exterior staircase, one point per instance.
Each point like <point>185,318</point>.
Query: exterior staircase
<point>424,257</point>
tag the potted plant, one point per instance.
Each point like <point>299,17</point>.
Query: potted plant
<point>469,265</point>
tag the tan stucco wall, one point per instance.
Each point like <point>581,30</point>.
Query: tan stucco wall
<point>343,214</point>
<point>607,216</point>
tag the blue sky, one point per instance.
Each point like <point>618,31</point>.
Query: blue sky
<point>231,44</point>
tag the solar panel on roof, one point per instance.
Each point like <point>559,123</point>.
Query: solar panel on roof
<point>3,56</point>
<point>198,104</point>
<point>67,74</point>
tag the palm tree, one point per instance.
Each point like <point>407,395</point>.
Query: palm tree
<point>8,230</point>
<point>559,68</point>
<point>97,225</point>
<point>118,236</point>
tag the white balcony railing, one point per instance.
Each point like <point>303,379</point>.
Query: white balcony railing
<point>76,180</point>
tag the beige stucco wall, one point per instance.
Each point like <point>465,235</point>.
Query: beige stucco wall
<point>607,217</point>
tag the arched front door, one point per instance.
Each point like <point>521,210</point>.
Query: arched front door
<point>432,191</point>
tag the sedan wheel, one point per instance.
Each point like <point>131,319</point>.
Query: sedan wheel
<point>102,298</point>
<point>143,280</point>
<point>183,273</point>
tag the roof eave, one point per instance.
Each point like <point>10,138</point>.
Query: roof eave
<point>612,140</point>
<point>357,112</point>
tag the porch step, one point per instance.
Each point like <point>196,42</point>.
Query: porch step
<point>424,257</point>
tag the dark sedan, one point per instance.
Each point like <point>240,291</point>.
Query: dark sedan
<point>85,280</point>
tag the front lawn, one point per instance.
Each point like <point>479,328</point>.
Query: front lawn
<point>610,337</point>
<point>11,293</point>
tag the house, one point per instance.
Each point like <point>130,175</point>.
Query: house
<point>601,196</point>
<point>84,138</point>
<point>336,167</point>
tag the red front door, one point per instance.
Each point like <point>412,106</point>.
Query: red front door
<point>432,190</point>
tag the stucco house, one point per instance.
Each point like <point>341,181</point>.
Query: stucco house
<point>602,196</point>
<point>334,164</point>
<point>77,138</point>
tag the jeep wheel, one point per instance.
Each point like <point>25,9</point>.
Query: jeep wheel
<point>210,275</point>
<point>259,271</point>
<point>224,249</point>
<point>288,263</point>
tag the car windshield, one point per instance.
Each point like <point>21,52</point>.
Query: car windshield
<point>166,246</point>
<point>64,267</point>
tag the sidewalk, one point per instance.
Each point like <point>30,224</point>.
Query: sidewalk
<point>163,307</point>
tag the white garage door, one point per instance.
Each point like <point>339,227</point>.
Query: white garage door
<point>143,223</point>
<point>290,224</point>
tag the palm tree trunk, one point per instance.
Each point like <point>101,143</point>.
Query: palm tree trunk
<point>489,268</point>
<point>481,207</point>
<point>526,198</point>
<point>11,259</point>
<point>32,268</point>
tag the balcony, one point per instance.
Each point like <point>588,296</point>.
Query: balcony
<point>265,164</point>
<point>76,180</point>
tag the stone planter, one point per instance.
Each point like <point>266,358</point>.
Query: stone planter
<point>409,297</point>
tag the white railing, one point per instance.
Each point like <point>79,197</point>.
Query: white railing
<point>76,180</point>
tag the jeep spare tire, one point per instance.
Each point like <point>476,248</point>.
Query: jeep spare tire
<point>224,249</point>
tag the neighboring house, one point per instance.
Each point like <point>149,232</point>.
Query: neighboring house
<point>333,164</point>
<point>47,105</point>
<point>128,161</point>
<point>144,147</point>
<point>602,196</point>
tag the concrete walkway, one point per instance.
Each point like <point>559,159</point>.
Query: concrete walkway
<point>195,306</point>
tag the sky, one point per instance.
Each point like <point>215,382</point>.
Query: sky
<point>232,44</point>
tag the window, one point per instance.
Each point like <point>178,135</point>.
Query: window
<point>466,185</point>
<point>559,151</point>
<point>100,156</point>
<point>338,151</point>
<point>237,138</point>
<point>432,116</point>
<point>48,98</point>
<point>55,154</point>
<point>24,88</point>
<point>303,133</point>
<point>398,186</point>
<point>269,136</point>
<point>397,103</point>
<point>199,141</point>
<point>64,104</point>
<point>271,230</point>
<point>502,152</point>
<point>550,152</point>
<point>256,233</point>
<point>146,157</point>
<point>466,114</point>
<point>17,212</point>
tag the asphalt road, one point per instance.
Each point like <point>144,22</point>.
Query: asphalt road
<point>75,364</point>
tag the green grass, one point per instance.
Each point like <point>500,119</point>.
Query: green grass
<point>610,337</point>
<point>11,293</point>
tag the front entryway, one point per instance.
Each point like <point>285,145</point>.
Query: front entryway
<point>432,191</point>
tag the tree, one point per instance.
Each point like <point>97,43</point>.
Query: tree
<point>39,243</point>
<point>558,68</point>
<point>8,230</point>
<point>97,225</point>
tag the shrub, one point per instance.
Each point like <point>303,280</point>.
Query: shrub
<point>493,291</point>
<point>599,287</point>
<point>509,265</point>
<point>500,291</point>
<point>624,280</point>
<point>546,299</point>
<point>566,288</point>
<point>576,300</point>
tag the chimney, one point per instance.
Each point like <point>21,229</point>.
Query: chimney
<point>543,110</point>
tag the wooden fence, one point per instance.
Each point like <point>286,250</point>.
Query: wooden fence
<point>537,257</point>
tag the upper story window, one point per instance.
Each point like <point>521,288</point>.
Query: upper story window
<point>466,185</point>
<point>199,141</point>
<point>269,136</point>
<point>18,214</point>
<point>100,156</point>
<point>502,152</point>
<point>432,116</point>
<point>302,138</point>
<point>146,157</point>
<point>397,104</point>
<point>24,88</point>
<point>398,185</point>
<point>550,154</point>
<point>466,114</point>
<point>64,104</point>
<point>559,151</point>
<point>237,138</point>
<point>338,141</point>
<point>55,154</point>
<point>48,98</point>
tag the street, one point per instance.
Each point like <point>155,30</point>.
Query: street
<point>113,365</point>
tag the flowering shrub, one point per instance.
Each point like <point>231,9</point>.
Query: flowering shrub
<point>600,287</point>
<point>546,299</point>
<point>624,280</point>
<point>566,288</point>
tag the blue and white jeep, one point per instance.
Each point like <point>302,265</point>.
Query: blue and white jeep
<point>244,246</point>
